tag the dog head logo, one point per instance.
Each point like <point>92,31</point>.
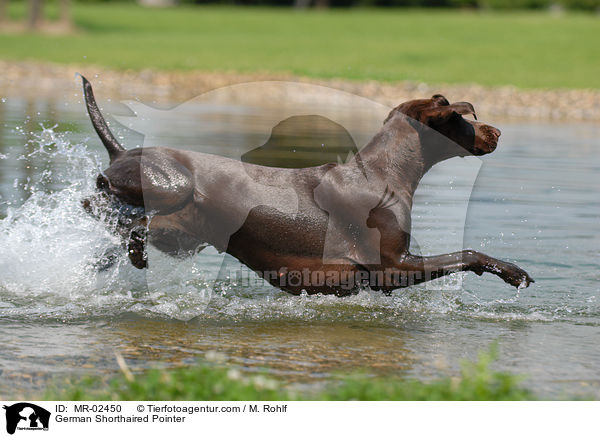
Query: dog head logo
<point>26,416</point>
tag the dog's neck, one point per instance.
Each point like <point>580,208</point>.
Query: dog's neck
<point>397,153</point>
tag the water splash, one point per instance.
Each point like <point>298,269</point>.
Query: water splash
<point>51,247</point>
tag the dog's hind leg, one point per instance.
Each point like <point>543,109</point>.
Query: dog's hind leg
<point>136,247</point>
<point>152,178</point>
<point>149,178</point>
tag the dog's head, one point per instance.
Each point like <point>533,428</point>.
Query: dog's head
<point>437,113</point>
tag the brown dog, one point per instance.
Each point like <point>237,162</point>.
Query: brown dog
<point>327,229</point>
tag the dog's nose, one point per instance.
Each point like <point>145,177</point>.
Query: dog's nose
<point>496,132</point>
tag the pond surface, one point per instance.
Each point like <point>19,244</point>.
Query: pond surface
<point>534,201</point>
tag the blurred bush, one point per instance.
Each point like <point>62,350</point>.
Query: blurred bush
<point>590,5</point>
<point>583,5</point>
<point>515,4</point>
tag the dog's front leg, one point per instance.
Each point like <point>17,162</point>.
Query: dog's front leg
<point>136,247</point>
<point>419,269</point>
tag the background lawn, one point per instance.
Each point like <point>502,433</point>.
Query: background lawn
<point>526,49</point>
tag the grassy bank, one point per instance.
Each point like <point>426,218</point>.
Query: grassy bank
<point>207,382</point>
<point>526,49</point>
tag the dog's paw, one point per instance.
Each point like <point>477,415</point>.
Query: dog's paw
<point>515,276</point>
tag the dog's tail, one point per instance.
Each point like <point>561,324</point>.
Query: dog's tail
<point>106,136</point>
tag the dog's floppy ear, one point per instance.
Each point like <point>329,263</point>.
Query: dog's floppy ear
<point>464,108</point>
<point>432,111</point>
<point>442,114</point>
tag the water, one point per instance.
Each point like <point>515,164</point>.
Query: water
<point>534,201</point>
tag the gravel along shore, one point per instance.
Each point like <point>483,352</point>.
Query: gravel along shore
<point>503,102</point>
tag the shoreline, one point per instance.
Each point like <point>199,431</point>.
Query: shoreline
<point>169,87</point>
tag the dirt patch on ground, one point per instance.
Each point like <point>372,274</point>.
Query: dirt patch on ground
<point>22,78</point>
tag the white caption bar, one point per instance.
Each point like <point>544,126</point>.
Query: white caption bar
<point>299,418</point>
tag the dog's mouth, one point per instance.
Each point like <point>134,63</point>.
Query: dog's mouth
<point>488,147</point>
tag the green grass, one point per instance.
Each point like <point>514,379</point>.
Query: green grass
<point>526,49</point>
<point>205,382</point>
